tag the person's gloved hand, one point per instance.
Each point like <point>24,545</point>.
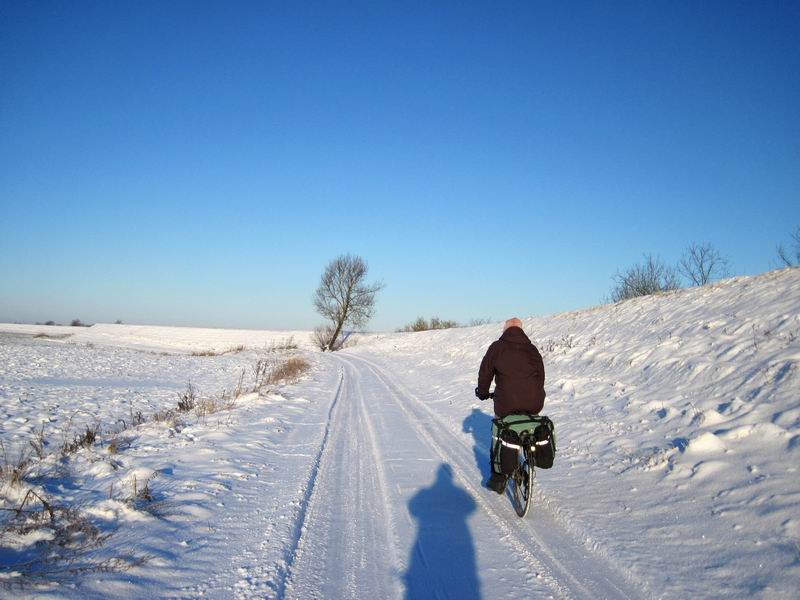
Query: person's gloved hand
<point>481,396</point>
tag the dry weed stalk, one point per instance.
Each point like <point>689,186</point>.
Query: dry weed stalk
<point>14,470</point>
<point>62,552</point>
<point>38,443</point>
<point>237,391</point>
<point>81,440</point>
<point>261,374</point>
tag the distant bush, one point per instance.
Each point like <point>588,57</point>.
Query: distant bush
<point>267,373</point>
<point>55,336</point>
<point>476,322</point>
<point>282,345</point>
<point>784,256</point>
<point>288,371</point>
<point>229,350</point>
<point>77,323</point>
<point>702,264</point>
<point>650,277</point>
<point>323,338</point>
<point>421,324</point>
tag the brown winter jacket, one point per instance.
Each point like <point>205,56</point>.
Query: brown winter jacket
<point>517,367</point>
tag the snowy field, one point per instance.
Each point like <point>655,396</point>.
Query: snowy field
<point>677,419</point>
<point>52,388</point>
<point>163,339</point>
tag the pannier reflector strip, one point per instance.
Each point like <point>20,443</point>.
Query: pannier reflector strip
<point>509,445</point>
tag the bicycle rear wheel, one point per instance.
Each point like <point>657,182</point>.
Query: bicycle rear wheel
<point>522,484</point>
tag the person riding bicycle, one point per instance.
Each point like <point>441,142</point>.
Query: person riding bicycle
<point>517,368</point>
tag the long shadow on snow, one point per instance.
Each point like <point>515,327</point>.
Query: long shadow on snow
<point>442,562</point>
<point>479,425</point>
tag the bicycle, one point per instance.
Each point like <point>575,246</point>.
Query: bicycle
<point>521,433</point>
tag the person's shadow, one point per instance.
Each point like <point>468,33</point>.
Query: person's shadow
<point>442,562</point>
<point>479,424</point>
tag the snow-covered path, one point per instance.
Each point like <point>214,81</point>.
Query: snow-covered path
<point>346,548</point>
<point>398,508</point>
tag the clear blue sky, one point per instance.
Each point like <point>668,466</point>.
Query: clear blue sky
<point>198,163</point>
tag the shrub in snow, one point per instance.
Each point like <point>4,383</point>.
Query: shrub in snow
<point>650,277</point>
<point>421,324</point>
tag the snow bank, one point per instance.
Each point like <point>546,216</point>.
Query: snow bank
<point>678,420</point>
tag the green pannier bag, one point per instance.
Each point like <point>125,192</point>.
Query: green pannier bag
<point>511,432</point>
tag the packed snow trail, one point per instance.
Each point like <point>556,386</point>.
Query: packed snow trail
<point>397,509</point>
<point>345,529</point>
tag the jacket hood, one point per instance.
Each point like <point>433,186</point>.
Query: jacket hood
<point>515,335</point>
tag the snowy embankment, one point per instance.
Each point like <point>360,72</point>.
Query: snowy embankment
<point>678,422</point>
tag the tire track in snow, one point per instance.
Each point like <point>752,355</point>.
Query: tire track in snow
<point>381,479</point>
<point>598,582</point>
<point>347,546</point>
<point>291,551</point>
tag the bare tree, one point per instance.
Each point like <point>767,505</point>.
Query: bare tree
<point>702,264</point>
<point>344,298</point>
<point>650,277</point>
<point>783,254</point>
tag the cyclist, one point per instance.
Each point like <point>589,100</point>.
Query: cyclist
<point>517,368</point>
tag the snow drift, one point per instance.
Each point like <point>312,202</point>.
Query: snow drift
<point>677,419</point>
